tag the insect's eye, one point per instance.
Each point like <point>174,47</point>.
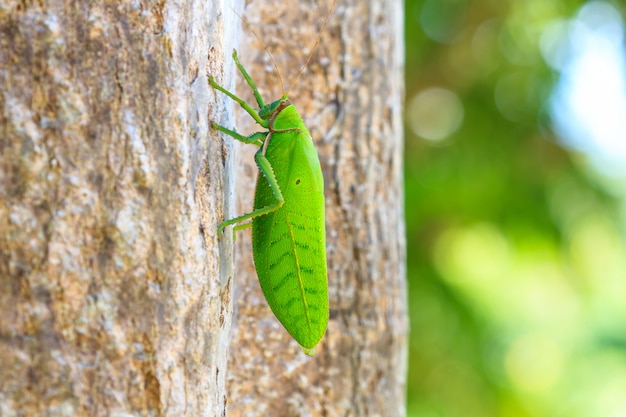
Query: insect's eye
<point>298,181</point>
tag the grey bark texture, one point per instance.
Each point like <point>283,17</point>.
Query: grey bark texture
<point>350,97</point>
<point>116,296</point>
<point>114,291</point>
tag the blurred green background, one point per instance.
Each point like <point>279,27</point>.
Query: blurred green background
<point>515,202</point>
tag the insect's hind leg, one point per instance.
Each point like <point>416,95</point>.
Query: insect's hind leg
<point>268,172</point>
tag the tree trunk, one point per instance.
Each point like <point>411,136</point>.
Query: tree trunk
<point>114,291</point>
<point>116,295</point>
<point>351,99</point>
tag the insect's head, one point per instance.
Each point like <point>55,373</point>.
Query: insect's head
<point>277,106</point>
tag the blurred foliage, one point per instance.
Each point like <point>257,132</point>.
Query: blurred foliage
<point>517,261</point>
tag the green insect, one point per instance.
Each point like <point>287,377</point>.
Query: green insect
<point>288,224</point>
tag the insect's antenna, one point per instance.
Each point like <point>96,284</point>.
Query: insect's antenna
<point>251,29</point>
<point>317,43</point>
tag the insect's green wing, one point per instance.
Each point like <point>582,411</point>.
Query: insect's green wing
<point>289,244</point>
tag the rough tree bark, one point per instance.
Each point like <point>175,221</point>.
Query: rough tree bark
<point>114,290</point>
<point>115,294</point>
<point>350,97</point>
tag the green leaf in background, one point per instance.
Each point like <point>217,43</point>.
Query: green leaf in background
<point>515,202</point>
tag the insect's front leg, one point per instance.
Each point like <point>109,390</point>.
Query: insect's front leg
<point>254,139</point>
<point>253,113</point>
<point>251,83</point>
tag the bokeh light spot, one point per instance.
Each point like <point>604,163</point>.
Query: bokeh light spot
<point>435,113</point>
<point>439,19</point>
<point>472,257</point>
<point>534,362</point>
